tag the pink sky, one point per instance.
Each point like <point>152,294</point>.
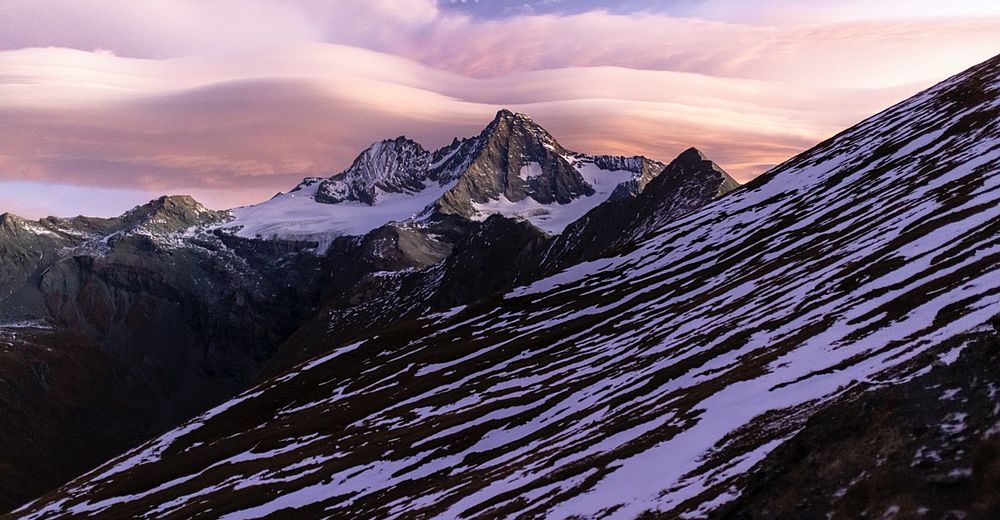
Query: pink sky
<point>104,107</point>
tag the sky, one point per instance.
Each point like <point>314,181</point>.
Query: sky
<point>107,104</point>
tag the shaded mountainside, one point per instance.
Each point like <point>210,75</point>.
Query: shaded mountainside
<point>926,448</point>
<point>66,406</point>
<point>647,383</point>
<point>154,319</point>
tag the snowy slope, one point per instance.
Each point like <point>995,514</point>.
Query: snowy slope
<point>297,215</point>
<point>647,382</point>
<point>553,218</point>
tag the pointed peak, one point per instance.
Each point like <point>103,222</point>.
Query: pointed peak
<point>508,123</point>
<point>170,213</point>
<point>692,163</point>
<point>691,155</point>
<point>506,115</point>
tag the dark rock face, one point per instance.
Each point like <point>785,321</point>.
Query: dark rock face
<point>499,254</point>
<point>687,183</point>
<point>928,448</point>
<point>177,320</point>
<point>516,159</point>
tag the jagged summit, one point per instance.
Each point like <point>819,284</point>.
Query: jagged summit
<point>517,159</point>
<point>390,166</point>
<point>9,220</point>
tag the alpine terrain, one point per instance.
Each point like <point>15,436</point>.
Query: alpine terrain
<point>115,330</point>
<point>507,329</point>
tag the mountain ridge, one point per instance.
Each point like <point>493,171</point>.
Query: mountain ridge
<point>513,167</point>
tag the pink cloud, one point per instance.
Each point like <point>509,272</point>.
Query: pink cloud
<point>234,108</point>
<point>236,130</point>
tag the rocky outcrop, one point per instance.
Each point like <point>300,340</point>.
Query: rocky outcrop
<point>927,448</point>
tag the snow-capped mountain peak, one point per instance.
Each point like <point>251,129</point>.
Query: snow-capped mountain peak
<point>391,166</point>
<point>514,167</point>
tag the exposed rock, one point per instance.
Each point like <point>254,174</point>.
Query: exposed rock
<point>391,166</point>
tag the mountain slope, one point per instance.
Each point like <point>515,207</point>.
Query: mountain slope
<point>135,324</point>
<point>927,447</point>
<point>647,382</point>
<point>689,182</point>
<point>403,271</point>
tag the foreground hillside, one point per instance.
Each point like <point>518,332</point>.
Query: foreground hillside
<point>650,382</point>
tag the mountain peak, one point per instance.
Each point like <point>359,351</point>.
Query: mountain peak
<point>397,165</point>
<point>695,166</point>
<point>504,113</point>
<point>507,121</point>
<point>691,155</point>
<point>170,213</point>
<point>516,159</point>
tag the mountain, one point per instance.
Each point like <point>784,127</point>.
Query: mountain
<point>687,183</point>
<point>403,271</point>
<point>112,330</point>
<point>391,166</point>
<point>800,323</point>
<point>514,167</point>
<point>176,308</point>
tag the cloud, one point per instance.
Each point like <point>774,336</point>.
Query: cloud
<point>824,12</point>
<point>841,54</point>
<point>154,28</point>
<point>234,130</point>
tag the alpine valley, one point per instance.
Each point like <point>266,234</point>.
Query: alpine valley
<point>505,328</point>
